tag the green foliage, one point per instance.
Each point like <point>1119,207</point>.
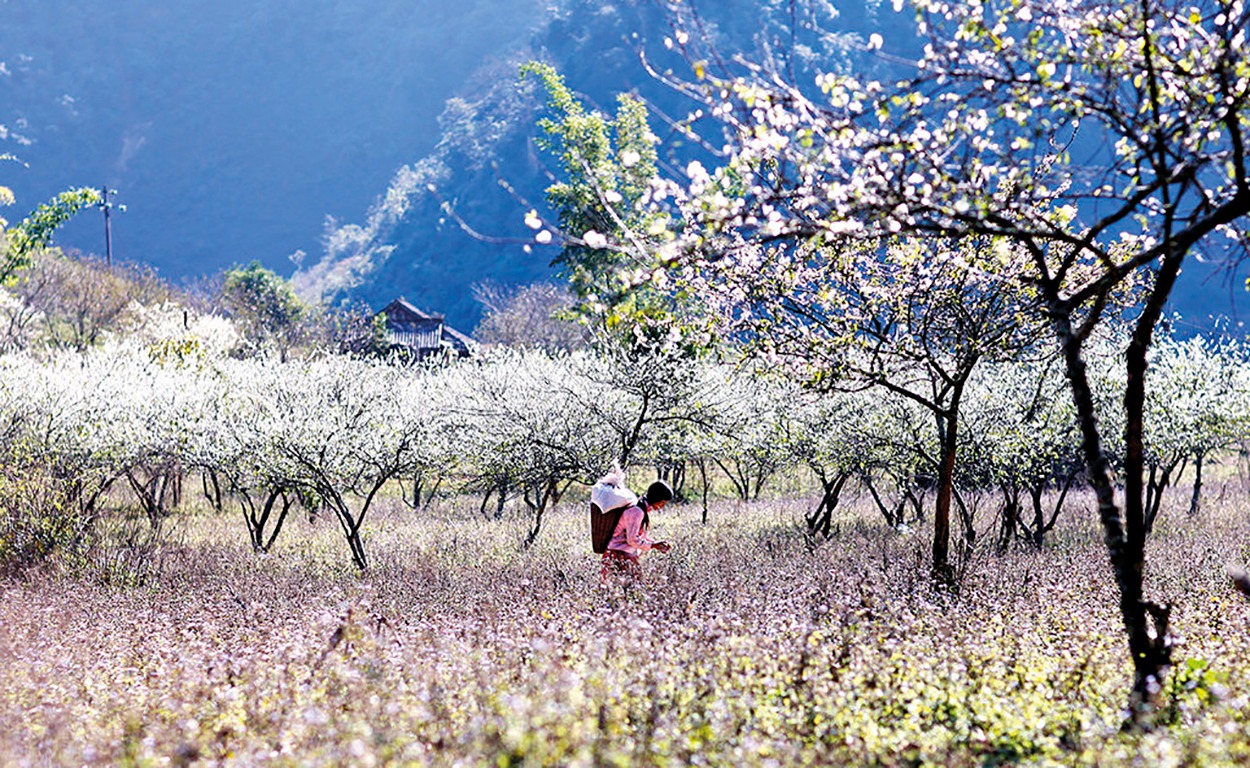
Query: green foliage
<point>40,523</point>
<point>374,342</point>
<point>347,330</point>
<point>35,231</point>
<point>262,295</point>
<point>612,235</point>
<point>1196,685</point>
<point>607,164</point>
<point>177,352</point>
<point>274,319</point>
<point>264,305</point>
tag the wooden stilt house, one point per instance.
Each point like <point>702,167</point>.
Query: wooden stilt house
<point>423,335</point>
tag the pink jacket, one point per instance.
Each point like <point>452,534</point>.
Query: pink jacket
<point>629,538</point>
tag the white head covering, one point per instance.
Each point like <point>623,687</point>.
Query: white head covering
<point>611,492</point>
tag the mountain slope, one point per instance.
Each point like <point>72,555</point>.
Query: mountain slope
<point>232,129</point>
<point>409,243</point>
<point>260,130</point>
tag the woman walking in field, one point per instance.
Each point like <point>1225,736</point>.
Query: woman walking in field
<point>631,537</point>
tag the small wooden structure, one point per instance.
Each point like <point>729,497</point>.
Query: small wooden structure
<point>413,332</point>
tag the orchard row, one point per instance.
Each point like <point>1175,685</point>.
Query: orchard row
<point>331,433</point>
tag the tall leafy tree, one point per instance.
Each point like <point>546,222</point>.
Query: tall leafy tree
<point>34,233</point>
<point>610,234</point>
<point>265,306</point>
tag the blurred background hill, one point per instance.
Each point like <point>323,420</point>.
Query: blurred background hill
<point>322,138</point>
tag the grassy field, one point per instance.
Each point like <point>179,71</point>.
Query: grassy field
<point>746,647</point>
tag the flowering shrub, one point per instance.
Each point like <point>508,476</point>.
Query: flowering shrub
<point>39,520</point>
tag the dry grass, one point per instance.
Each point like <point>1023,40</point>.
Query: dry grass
<point>746,647</point>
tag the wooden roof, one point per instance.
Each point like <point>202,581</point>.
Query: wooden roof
<point>410,327</point>
<point>400,312</point>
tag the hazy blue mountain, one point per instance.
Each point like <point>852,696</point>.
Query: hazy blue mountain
<point>415,248</point>
<point>410,243</point>
<point>233,130</point>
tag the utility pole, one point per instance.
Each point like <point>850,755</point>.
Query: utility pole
<point>108,228</point>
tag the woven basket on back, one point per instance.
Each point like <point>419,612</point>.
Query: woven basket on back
<point>602,526</point>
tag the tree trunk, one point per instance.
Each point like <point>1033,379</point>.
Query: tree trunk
<point>539,498</point>
<point>943,573</point>
<point>1127,568</point>
<point>350,526</point>
<point>741,482</point>
<point>917,505</point>
<point>351,522</point>
<point>1150,651</point>
<point>256,523</point>
<point>673,473</point>
<point>1042,526</point>
<point>893,517</point>
<point>150,492</point>
<point>703,477</point>
<point>1160,481</point>
<point>967,517</point>
<point>1010,517</point>
<point>176,485</point>
<point>1195,501</point>
<point>212,488</point>
<point>498,491</point>
<point>485,500</point>
<point>821,519</point>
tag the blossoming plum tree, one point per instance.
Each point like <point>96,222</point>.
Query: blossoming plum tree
<point>234,443</point>
<point>1198,406</point>
<point>338,431</point>
<point>1024,443</point>
<point>838,437</point>
<point>913,317</point>
<point>1153,97</point>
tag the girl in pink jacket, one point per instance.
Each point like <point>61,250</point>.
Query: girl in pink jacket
<point>631,539</point>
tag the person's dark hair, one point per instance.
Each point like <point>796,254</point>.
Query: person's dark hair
<point>659,491</point>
